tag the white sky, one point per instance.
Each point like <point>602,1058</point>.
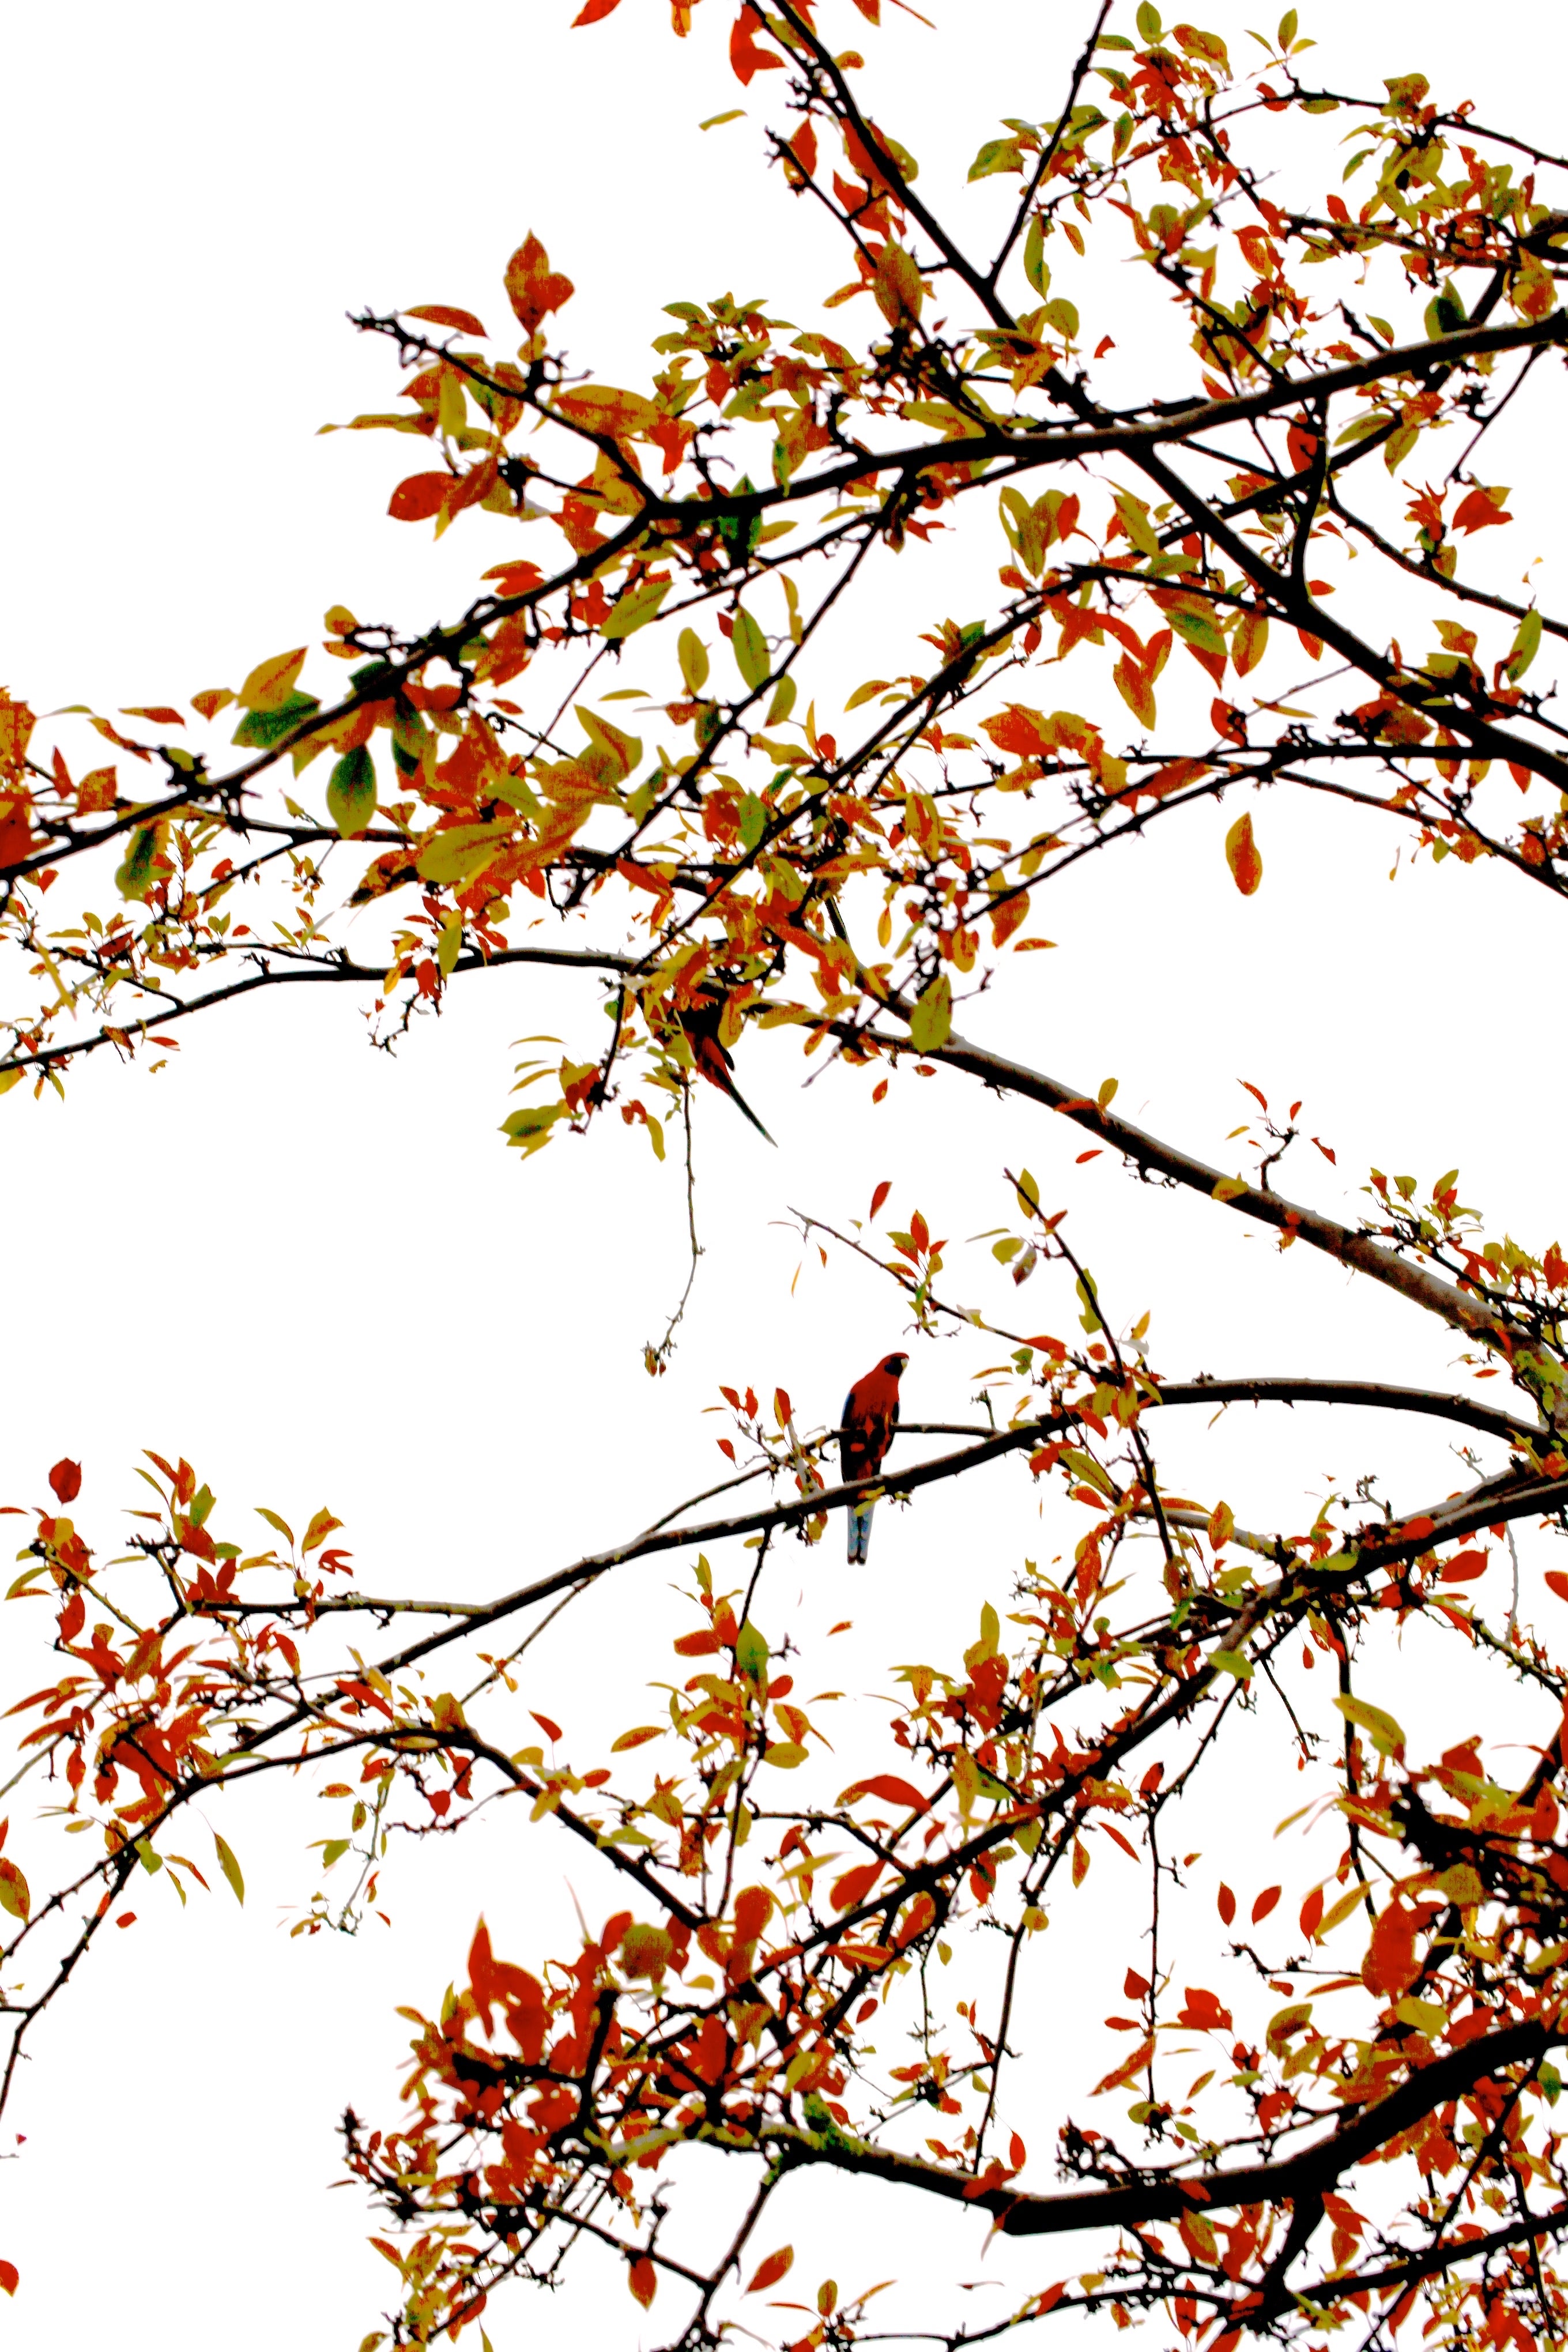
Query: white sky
<point>318,1274</point>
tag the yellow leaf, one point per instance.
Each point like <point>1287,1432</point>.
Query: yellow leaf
<point>1386,1735</point>
<point>271,682</point>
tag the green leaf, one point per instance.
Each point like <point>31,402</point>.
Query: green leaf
<point>751,649</point>
<point>529,1128</point>
<point>636,610</point>
<point>229,1866</point>
<point>930,1021</point>
<point>333,1851</point>
<point>1035,269</point>
<point>135,877</point>
<point>1526,646</point>
<point>259,730</point>
<point>351,792</point>
<point>752,1652</point>
<point>997,155</point>
<point>753,819</point>
<point>1148,21</point>
<point>693,656</point>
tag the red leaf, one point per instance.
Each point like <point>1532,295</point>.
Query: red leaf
<point>1016,2153</point>
<point>745,58</point>
<point>642,2278</point>
<point>1265,1904</point>
<point>10,2277</point>
<point>1243,856</point>
<point>590,14</point>
<point>1311,1912</point>
<point>769,2272</point>
<point>1463,1567</point>
<point>852,1887</point>
<point>1204,2011</point>
<point>890,1789</point>
<point>1481,508</point>
<point>533,288</point>
<point>696,1645</point>
<point>1226,1901</point>
<point>754,1909</point>
<point>545,1725</point>
<point>441,314</point>
<point>881,1195</point>
<point>419,497</point>
<point>66,1480</point>
<point>1557,1582</point>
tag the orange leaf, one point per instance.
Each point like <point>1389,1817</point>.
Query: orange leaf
<point>1006,919</point>
<point>600,408</point>
<point>1265,1903</point>
<point>441,314</point>
<point>1127,2069</point>
<point>10,2277</point>
<point>1391,1965</point>
<point>770,2272</point>
<point>1557,1582</point>
<point>1030,733</point>
<point>1226,1902</point>
<point>533,288</point>
<point>698,1645</point>
<point>638,1737</point>
<point>1243,856</point>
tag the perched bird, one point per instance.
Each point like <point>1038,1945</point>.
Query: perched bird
<point>870,1417</point>
<point>699,1023</point>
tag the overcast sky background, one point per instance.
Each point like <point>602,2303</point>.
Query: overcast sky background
<point>317,1273</point>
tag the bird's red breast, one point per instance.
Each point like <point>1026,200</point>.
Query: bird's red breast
<point>870,1417</point>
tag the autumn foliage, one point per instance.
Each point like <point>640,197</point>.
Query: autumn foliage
<point>1351,2121</point>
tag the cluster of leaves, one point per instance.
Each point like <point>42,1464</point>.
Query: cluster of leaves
<point>707,881</point>
<point>762,1924</point>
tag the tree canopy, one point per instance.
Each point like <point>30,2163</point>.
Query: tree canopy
<point>1208,365</point>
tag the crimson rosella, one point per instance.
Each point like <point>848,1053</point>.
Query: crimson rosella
<point>700,1022</point>
<point>869,1418</point>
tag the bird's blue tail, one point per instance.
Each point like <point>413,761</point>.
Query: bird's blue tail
<point>859,1532</point>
